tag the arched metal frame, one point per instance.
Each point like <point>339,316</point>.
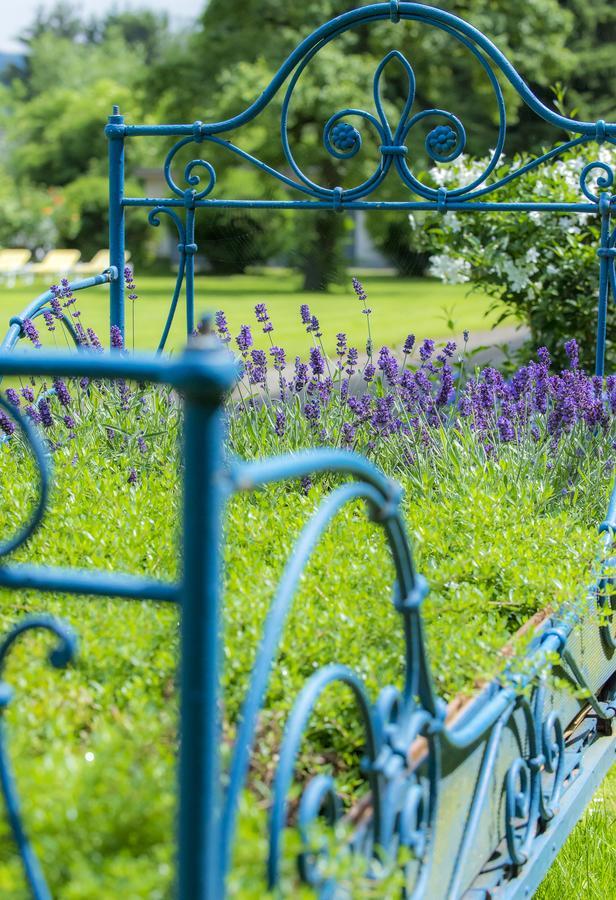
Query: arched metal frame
<point>444,143</point>
<point>477,803</point>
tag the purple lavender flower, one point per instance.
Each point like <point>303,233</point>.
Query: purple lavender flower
<point>312,411</point>
<point>465,335</point>
<point>351,361</point>
<point>301,375</point>
<point>244,340</point>
<point>304,312</point>
<point>6,425</point>
<point>281,423</point>
<point>29,329</point>
<point>54,302</point>
<point>348,434</point>
<point>45,413</point>
<point>69,422</point>
<point>263,317</point>
<point>573,353</point>
<point>33,414</point>
<point>94,340</point>
<point>222,327</point>
<point>28,394</point>
<point>316,361</point>
<point>446,386</point>
<point>506,430</point>
<point>130,283</point>
<point>132,475</point>
<point>361,293</point>
<point>49,320</point>
<point>62,392</point>
<point>369,373</point>
<point>306,483</point>
<point>341,348</point>
<point>543,355</point>
<point>388,364</point>
<point>449,349</point>
<point>117,342</point>
<point>315,327</point>
<point>426,350</point>
<point>409,344</point>
<point>142,445</point>
<point>13,397</point>
<point>279,356</point>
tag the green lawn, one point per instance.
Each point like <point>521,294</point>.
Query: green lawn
<point>400,305</point>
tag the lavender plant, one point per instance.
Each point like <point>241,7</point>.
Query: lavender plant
<point>74,414</point>
<point>416,411</point>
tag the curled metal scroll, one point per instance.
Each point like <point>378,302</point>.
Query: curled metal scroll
<point>60,656</point>
<point>41,458</point>
<point>404,804</point>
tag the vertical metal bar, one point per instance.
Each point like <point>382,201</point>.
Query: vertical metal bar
<point>191,249</point>
<point>604,262</point>
<point>200,865</point>
<point>115,136</point>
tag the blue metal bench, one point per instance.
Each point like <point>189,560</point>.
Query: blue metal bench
<point>482,800</point>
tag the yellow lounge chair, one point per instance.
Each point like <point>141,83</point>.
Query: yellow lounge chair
<point>56,263</point>
<point>13,262</point>
<point>98,263</point>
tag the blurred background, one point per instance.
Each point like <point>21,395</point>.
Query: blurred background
<point>63,65</point>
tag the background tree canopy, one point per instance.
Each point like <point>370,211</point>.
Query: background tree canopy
<point>53,110</point>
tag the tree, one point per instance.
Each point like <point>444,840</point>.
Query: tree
<point>55,109</point>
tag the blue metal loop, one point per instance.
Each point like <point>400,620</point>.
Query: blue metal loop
<point>188,248</point>
<point>393,150</point>
<point>415,598</point>
<point>41,459</point>
<point>394,10</point>
<point>441,199</point>
<point>600,130</point>
<point>557,632</point>
<point>337,197</point>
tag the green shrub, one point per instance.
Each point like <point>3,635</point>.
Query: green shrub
<point>543,266</point>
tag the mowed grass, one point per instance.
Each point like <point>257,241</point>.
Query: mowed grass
<point>586,865</point>
<point>423,306</point>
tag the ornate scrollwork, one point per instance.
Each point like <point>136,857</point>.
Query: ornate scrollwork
<point>518,797</point>
<point>529,806</point>
<point>41,459</point>
<point>60,656</point>
<point>190,176</point>
<point>553,750</point>
<point>403,802</point>
<point>603,181</point>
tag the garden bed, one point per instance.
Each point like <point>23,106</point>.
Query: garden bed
<point>502,520</point>
<point>103,741</point>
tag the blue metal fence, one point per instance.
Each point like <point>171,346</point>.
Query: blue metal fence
<point>480,803</point>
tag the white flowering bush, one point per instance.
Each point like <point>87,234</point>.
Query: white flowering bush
<point>542,265</point>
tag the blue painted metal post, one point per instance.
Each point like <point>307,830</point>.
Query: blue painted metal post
<point>199,865</point>
<point>191,249</point>
<point>115,136</point>
<point>604,263</point>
